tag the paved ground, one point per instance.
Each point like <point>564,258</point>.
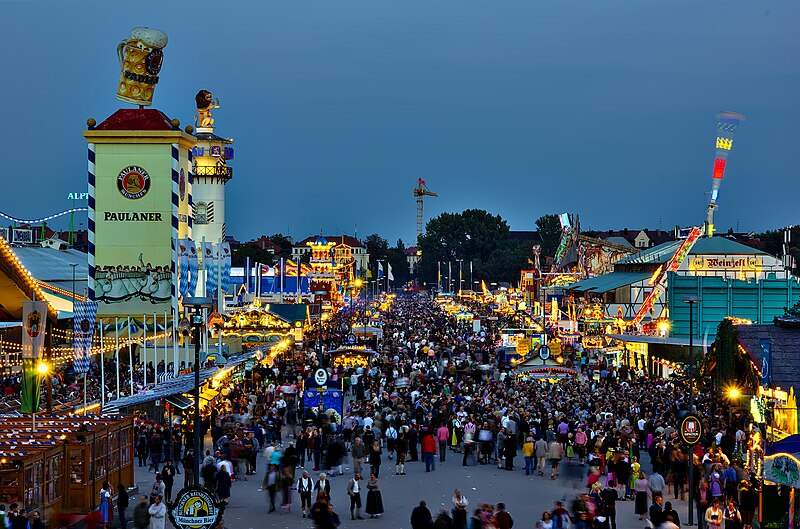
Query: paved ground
<point>526,497</point>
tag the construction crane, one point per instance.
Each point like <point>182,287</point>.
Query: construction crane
<point>420,192</point>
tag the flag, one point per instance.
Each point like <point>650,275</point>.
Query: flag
<point>389,271</point>
<point>380,270</point>
<point>267,270</point>
<point>34,324</point>
<point>193,266</point>
<point>210,267</point>
<point>84,321</point>
<point>225,255</point>
<point>183,266</point>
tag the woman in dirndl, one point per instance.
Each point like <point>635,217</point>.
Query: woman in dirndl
<point>374,497</point>
<point>105,504</point>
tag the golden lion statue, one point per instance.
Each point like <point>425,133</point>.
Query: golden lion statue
<point>205,103</point>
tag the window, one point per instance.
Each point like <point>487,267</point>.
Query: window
<point>77,472</point>
<point>101,458</point>
<point>53,478</point>
<point>9,486</point>
<point>113,451</point>
<point>126,443</point>
<point>34,485</point>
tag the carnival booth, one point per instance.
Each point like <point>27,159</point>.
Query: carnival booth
<point>60,466</point>
<point>779,498</point>
<point>352,357</point>
<point>321,394</point>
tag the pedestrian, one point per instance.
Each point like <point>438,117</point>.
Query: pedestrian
<point>287,479</point>
<point>319,513</point>
<point>357,451</point>
<point>223,484</point>
<point>158,513</point>
<point>656,511</point>
<point>305,485</point>
<point>429,445</point>
<point>560,516</point>
<point>460,506</point>
<point>354,491</point>
<point>188,468</point>
<point>442,435</point>
<point>122,504</point>
<point>540,452</point>
<point>375,458</point>
<point>36,521</point>
<point>333,518</point>
<point>157,489</point>
<point>732,516</point>
<point>168,476</point>
<point>642,488</point>
<point>546,521</point>
<point>270,485</point>
<point>141,513</point>
<point>374,497</point>
<point>527,453</point>
<point>610,496</point>
<point>323,486</point>
<point>555,452</point>
<point>656,483</point>
<point>402,450</point>
<point>421,517</point>
<point>105,504</point>
<point>503,518</point>
<point>671,515</point>
<point>748,498</point>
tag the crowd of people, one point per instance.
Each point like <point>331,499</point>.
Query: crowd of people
<point>434,388</point>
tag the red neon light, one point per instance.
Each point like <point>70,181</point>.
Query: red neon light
<point>719,167</point>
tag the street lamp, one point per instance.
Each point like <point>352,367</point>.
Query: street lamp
<point>197,305</point>
<point>691,300</point>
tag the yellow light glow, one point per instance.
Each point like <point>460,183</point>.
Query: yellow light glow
<point>359,283</point>
<point>42,368</point>
<point>663,326</point>
<point>734,393</point>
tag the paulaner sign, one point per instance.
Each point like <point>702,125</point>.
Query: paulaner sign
<point>131,216</point>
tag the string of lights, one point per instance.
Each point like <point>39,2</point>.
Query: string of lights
<point>43,219</point>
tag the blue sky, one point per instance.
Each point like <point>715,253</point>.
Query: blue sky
<point>520,107</point>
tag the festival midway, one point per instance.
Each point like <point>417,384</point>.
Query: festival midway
<point>165,364</point>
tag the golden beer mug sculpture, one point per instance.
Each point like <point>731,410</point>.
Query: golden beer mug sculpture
<point>140,57</point>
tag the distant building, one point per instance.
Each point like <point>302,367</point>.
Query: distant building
<point>265,244</point>
<point>360,256</point>
<point>641,239</point>
<point>413,256</point>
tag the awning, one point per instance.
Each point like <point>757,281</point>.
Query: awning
<point>209,394</point>
<point>179,401</point>
<point>608,282</point>
<point>640,338</point>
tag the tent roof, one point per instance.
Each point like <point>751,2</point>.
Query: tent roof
<point>289,312</point>
<point>17,285</point>
<point>785,349</point>
<point>704,246</point>
<point>607,282</point>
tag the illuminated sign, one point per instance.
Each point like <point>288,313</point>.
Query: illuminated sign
<point>21,236</point>
<point>723,263</point>
<point>691,429</point>
<point>77,196</point>
<point>783,469</point>
<point>724,143</point>
<point>719,168</point>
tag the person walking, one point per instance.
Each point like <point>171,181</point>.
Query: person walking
<point>375,458</point>
<point>527,454</point>
<point>460,506</point>
<point>223,484</point>
<point>429,451</point>
<point>642,487</point>
<point>158,513</point>
<point>123,500</point>
<point>105,504</point>
<point>168,476</point>
<point>374,497</point>
<point>305,485</point>
<point>157,489</point>
<point>354,491</point>
<point>402,450</point>
<point>610,496</point>
<point>188,468</point>
<point>323,486</point>
<point>270,485</point>
<point>442,435</point>
<point>141,513</point>
<point>357,451</point>
<point>503,518</point>
<point>540,452</point>
<point>421,517</point>
<point>555,452</point>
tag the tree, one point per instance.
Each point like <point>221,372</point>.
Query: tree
<point>550,229</point>
<point>377,246</point>
<point>284,242</point>
<point>255,253</point>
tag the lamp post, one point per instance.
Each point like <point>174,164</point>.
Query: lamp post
<point>691,300</point>
<point>196,305</point>
<point>460,274</point>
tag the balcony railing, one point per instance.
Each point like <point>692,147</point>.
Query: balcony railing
<point>221,171</point>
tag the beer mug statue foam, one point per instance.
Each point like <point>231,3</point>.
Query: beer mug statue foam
<point>140,57</point>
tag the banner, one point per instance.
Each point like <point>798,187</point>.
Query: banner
<point>34,325</point>
<point>766,361</point>
<point>194,274</point>
<point>84,321</point>
<point>225,255</point>
<point>210,268</point>
<point>183,266</point>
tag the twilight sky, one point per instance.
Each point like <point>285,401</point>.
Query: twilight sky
<point>520,107</point>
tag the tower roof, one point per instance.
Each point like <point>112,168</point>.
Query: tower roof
<point>136,119</point>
